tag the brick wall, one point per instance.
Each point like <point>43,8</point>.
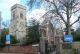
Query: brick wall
<point>19,49</point>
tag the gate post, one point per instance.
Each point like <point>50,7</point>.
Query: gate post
<point>43,45</point>
<point>58,45</point>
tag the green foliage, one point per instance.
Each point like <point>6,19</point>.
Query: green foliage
<point>33,33</point>
<point>13,39</point>
<point>3,37</point>
<point>76,35</point>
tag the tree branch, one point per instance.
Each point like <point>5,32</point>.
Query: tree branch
<point>76,3</point>
<point>76,10</point>
<point>75,21</point>
<point>64,3</point>
<point>57,11</point>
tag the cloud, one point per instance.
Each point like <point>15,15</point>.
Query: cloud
<point>8,3</point>
<point>37,14</point>
<point>12,2</point>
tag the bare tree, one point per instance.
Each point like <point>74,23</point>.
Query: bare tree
<point>63,9</point>
<point>56,22</point>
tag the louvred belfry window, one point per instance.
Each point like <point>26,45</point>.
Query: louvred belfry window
<point>21,15</point>
<point>13,14</point>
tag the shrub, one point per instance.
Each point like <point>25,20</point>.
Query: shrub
<point>13,39</point>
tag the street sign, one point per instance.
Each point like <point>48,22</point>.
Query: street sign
<point>8,39</point>
<point>68,38</point>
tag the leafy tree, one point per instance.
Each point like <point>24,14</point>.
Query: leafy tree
<point>76,35</point>
<point>3,35</point>
<point>33,33</point>
<point>13,39</point>
<point>4,32</point>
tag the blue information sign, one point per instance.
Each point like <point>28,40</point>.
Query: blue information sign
<point>68,38</point>
<point>7,37</point>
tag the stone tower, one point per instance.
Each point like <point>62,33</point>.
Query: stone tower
<point>18,21</point>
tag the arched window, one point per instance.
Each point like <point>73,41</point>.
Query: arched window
<point>21,15</point>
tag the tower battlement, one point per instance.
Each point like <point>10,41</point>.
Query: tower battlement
<point>18,6</point>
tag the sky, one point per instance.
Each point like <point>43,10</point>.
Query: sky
<point>5,8</point>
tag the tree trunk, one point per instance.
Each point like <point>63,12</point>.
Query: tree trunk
<point>68,30</point>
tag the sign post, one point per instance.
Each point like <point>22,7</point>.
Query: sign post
<point>8,41</point>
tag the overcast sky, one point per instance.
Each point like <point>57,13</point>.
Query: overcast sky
<point>5,8</point>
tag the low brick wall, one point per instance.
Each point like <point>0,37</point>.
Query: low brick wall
<point>19,49</point>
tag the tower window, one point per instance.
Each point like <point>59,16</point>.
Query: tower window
<point>13,14</point>
<point>21,15</point>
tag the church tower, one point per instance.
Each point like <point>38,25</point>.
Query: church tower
<point>18,21</point>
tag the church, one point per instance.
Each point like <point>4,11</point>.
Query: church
<point>18,21</point>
